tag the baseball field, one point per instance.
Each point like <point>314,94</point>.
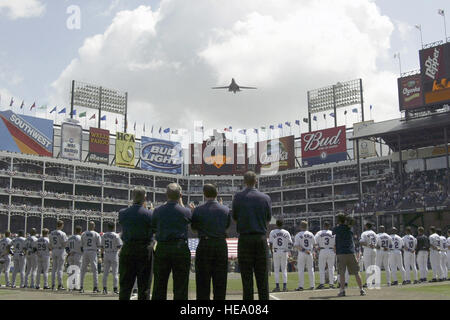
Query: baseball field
<point>424,291</point>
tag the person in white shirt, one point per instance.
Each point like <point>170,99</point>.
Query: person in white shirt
<point>368,242</point>
<point>73,248</point>
<point>435,254</point>
<point>325,242</point>
<point>90,242</point>
<point>5,249</point>
<point>384,243</point>
<point>43,259</point>
<point>111,244</point>
<point>304,243</point>
<point>31,267</point>
<point>58,240</point>
<point>19,259</point>
<point>409,256</point>
<point>396,259</point>
<point>448,249</point>
<point>280,242</point>
<point>443,254</point>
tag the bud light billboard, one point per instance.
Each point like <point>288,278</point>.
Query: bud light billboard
<point>324,146</point>
<point>161,155</point>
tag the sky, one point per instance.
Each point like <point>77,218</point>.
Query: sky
<point>168,54</point>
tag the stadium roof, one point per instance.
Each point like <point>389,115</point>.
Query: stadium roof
<point>413,133</point>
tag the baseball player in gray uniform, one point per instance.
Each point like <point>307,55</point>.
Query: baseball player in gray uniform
<point>111,244</point>
<point>58,239</point>
<point>448,249</point>
<point>368,242</point>
<point>325,242</point>
<point>435,255</point>
<point>396,259</point>
<point>384,243</point>
<point>443,253</point>
<point>43,259</point>
<point>280,242</point>
<point>73,248</point>
<point>90,242</point>
<point>409,256</point>
<point>5,256</point>
<point>304,242</point>
<point>31,267</point>
<point>19,259</point>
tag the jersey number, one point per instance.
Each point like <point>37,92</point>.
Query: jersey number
<point>89,242</point>
<point>306,242</point>
<point>327,241</point>
<point>109,246</point>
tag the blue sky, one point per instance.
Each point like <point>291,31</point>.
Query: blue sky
<point>36,51</point>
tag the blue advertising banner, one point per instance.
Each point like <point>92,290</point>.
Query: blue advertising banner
<point>161,155</point>
<point>26,134</point>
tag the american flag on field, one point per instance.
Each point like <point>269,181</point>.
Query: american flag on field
<point>232,244</point>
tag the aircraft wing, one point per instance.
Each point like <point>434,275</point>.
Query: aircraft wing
<point>241,87</point>
<point>220,87</point>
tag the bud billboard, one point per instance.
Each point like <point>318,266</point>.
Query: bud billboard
<point>324,146</point>
<point>71,141</point>
<point>125,150</point>
<point>435,70</point>
<point>25,134</point>
<point>276,154</point>
<point>410,92</point>
<point>99,145</point>
<point>366,147</point>
<point>161,155</point>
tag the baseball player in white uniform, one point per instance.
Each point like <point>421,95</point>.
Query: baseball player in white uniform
<point>396,258</point>
<point>43,259</point>
<point>448,249</point>
<point>304,243</point>
<point>368,242</point>
<point>5,256</point>
<point>443,254</point>
<point>384,243</point>
<point>280,242</point>
<point>19,258</point>
<point>422,249</point>
<point>111,244</point>
<point>325,242</point>
<point>73,248</point>
<point>90,242</point>
<point>58,239</point>
<point>435,255</point>
<point>31,267</point>
<point>409,256</point>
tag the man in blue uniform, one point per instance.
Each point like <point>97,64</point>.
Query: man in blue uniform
<point>170,223</point>
<point>252,210</point>
<point>211,220</point>
<point>136,255</point>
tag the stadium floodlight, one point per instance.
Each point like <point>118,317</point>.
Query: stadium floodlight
<point>339,95</point>
<point>99,98</point>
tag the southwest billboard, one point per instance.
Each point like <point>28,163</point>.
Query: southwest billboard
<point>125,150</point>
<point>324,146</point>
<point>366,147</point>
<point>276,154</point>
<point>435,71</point>
<point>71,141</point>
<point>410,92</point>
<point>26,134</point>
<point>98,146</point>
<point>161,155</point>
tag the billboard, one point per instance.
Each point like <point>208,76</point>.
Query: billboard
<point>435,71</point>
<point>161,155</point>
<point>276,154</point>
<point>366,147</point>
<point>71,141</point>
<point>196,159</point>
<point>324,146</point>
<point>26,134</point>
<point>240,158</point>
<point>125,150</point>
<point>98,145</point>
<point>410,92</point>
<point>218,155</point>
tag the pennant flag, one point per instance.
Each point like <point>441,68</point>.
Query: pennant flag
<point>103,118</point>
<point>256,131</point>
<point>175,131</point>
<point>297,122</point>
<point>167,130</point>
<point>263,128</point>
<point>152,129</point>
<point>43,107</point>
<point>370,107</point>
<point>441,12</point>
<point>160,130</point>
<point>418,26</point>
<point>345,112</point>
<point>33,106</point>
<point>230,128</point>
<point>82,115</point>
<point>92,117</point>
<point>135,126</point>
<point>11,103</point>
<point>23,103</point>
<point>74,112</point>
<point>332,114</point>
<point>271,127</point>
<point>355,110</point>
<point>280,126</point>
<point>305,120</point>
<point>288,124</point>
<point>144,127</point>
<point>226,130</point>
<point>315,118</point>
<point>117,122</point>
<point>62,111</point>
<point>242,131</point>
<point>196,129</point>
<point>53,110</point>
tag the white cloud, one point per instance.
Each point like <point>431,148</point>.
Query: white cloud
<point>167,59</point>
<point>16,9</point>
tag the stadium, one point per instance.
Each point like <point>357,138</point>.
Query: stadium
<point>392,173</point>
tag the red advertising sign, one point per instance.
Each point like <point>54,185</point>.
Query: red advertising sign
<point>435,70</point>
<point>410,92</point>
<point>323,146</point>
<point>98,145</point>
